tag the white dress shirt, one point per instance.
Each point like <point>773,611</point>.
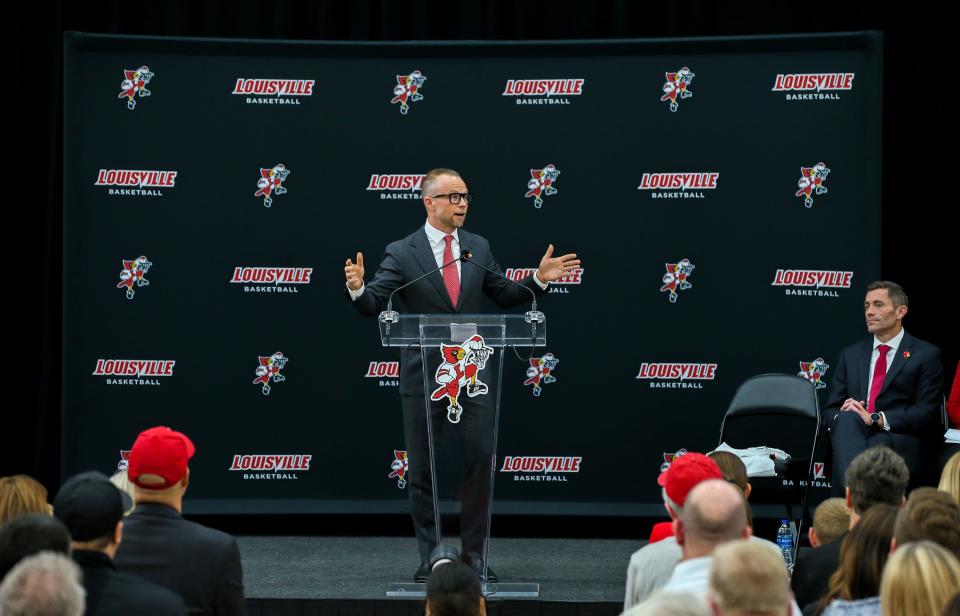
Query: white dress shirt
<point>894,344</point>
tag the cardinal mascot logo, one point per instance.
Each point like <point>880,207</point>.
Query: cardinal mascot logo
<point>677,86</point>
<point>676,278</point>
<point>270,368</point>
<point>407,90</point>
<point>813,371</point>
<point>271,183</point>
<point>124,460</point>
<point>670,458</point>
<point>135,84</point>
<point>459,369</point>
<point>542,183</point>
<point>132,273</point>
<point>540,372</point>
<point>811,182</point>
<point>398,468</point>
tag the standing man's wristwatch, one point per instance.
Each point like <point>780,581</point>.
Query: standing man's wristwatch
<point>875,418</point>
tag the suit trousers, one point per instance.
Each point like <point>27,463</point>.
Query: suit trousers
<point>849,436</point>
<point>475,435</point>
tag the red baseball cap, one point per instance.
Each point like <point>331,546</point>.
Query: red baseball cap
<point>160,451</point>
<point>685,472</point>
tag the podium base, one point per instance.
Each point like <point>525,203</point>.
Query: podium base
<point>411,590</point>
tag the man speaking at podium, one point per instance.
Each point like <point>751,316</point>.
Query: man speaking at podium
<point>452,287</point>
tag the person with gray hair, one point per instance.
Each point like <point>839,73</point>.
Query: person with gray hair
<point>45,584</point>
<point>746,578</point>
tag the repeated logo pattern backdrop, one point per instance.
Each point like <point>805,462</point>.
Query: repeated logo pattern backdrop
<point>723,196</point>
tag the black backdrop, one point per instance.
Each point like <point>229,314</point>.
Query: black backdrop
<point>738,224</point>
<point>914,128</point>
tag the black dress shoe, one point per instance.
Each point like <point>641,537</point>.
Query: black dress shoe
<point>477,565</point>
<point>423,572</point>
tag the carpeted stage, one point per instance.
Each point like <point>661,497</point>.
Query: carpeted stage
<point>348,576</point>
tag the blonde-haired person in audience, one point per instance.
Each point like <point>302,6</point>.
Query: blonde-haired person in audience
<point>950,477</point>
<point>747,578</point>
<point>20,495</point>
<point>855,585</point>
<point>124,484</point>
<point>920,579</point>
<point>830,520</point>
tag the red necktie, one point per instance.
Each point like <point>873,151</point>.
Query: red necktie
<point>879,376</point>
<point>451,278</point>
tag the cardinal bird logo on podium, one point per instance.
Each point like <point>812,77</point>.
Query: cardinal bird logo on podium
<point>458,370</point>
<point>132,273</point>
<point>813,371</point>
<point>540,372</point>
<point>268,369</point>
<point>677,87</point>
<point>811,182</point>
<point>271,183</point>
<point>542,183</point>
<point>407,90</point>
<point>398,468</point>
<point>134,85</point>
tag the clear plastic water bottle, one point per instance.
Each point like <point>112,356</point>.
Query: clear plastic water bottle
<point>785,543</point>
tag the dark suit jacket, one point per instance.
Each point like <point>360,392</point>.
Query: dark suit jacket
<point>406,259</point>
<point>200,564</point>
<point>911,393</point>
<point>812,571</point>
<point>110,593</point>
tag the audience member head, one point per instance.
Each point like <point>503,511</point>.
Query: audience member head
<point>950,477</point>
<point>876,475</point>
<point>20,495</point>
<point>830,520</point>
<point>733,470</point>
<point>158,466</point>
<point>453,589</point>
<point>28,535</point>
<point>683,474</point>
<point>670,604</point>
<point>931,515</point>
<point>863,554</point>
<point>45,584</point>
<point>919,580</point>
<point>123,484</point>
<point>952,608</point>
<point>713,514</point>
<point>748,578</point>
<point>92,509</point>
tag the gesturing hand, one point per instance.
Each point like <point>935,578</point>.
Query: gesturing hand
<point>553,268</point>
<point>354,273</point>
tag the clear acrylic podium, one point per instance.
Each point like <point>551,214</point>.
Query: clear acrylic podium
<point>462,358</point>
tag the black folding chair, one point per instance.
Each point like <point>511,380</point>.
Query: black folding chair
<point>780,411</point>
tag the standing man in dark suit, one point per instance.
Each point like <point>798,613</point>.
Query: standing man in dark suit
<point>886,390</point>
<point>458,288</point>
<point>92,509</point>
<point>200,564</point>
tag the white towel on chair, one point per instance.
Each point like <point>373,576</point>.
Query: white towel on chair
<point>758,460</point>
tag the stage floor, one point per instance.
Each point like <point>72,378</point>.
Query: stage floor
<point>323,568</point>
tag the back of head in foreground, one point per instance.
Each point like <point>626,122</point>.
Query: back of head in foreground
<point>748,578</point>
<point>877,475</point>
<point>714,513</point>
<point>31,534</point>
<point>919,580</point>
<point>20,495</point>
<point>453,589</point>
<point>45,584</point>
<point>930,515</point>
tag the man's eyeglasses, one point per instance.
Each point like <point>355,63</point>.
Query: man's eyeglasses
<point>455,197</point>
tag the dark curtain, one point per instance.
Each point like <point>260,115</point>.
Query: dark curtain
<point>917,142</point>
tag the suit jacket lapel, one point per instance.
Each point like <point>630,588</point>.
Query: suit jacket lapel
<point>424,256</point>
<point>468,272</point>
<point>906,344</point>
<point>866,352</point>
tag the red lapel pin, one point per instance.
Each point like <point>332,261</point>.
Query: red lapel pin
<point>906,354</point>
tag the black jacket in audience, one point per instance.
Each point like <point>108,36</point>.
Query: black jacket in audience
<point>110,593</point>
<point>200,564</point>
<point>812,571</point>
